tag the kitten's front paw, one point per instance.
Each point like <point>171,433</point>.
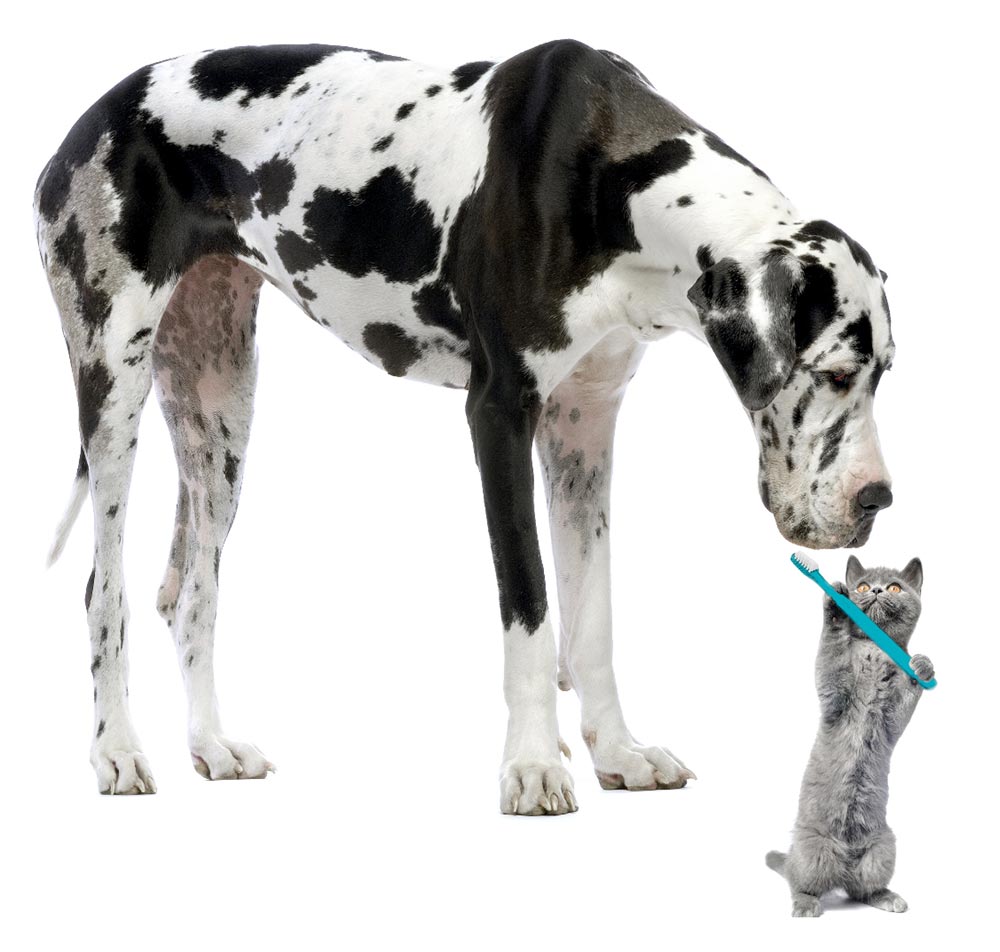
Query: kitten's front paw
<point>831,611</point>
<point>922,667</point>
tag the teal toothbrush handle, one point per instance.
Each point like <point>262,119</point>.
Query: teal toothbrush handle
<point>897,654</point>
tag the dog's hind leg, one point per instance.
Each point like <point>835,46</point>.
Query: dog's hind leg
<point>574,440</point>
<point>205,370</point>
<point>112,371</point>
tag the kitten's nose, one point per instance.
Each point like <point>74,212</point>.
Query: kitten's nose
<point>876,590</point>
<point>873,497</point>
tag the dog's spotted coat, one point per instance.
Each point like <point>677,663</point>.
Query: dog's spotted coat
<point>519,230</point>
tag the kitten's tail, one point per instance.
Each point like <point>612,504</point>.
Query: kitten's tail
<point>776,861</point>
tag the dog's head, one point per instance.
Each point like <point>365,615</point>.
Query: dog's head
<point>801,326</point>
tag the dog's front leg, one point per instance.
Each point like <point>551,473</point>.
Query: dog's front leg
<point>502,417</point>
<point>574,438</point>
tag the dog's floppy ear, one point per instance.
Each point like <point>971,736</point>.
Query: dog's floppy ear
<point>913,574</point>
<point>854,571</point>
<point>754,344</point>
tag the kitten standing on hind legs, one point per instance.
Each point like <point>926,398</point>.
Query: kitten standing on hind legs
<point>841,839</point>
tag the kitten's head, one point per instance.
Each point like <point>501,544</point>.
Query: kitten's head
<point>890,597</point>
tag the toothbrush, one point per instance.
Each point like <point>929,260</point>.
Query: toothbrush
<point>810,569</point>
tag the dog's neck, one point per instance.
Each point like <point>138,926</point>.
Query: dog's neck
<point>687,220</point>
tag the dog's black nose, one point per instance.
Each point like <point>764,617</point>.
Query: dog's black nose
<point>873,497</point>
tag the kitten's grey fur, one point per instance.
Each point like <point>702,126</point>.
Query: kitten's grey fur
<point>841,839</point>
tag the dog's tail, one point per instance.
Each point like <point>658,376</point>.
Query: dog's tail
<point>776,861</point>
<point>79,493</point>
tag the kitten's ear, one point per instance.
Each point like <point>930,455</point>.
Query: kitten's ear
<point>913,574</point>
<point>854,572</point>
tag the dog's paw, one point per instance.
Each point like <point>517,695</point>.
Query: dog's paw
<point>121,769</point>
<point>922,667</point>
<point>536,789</point>
<point>217,758</point>
<point>633,766</point>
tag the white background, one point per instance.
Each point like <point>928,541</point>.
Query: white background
<point>358,635</point>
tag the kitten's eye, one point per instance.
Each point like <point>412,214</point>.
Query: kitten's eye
<point>864,587</point>
<point>894,588</point>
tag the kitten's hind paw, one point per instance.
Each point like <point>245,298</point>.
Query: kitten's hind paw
<point>805,906</point>
<point>886,899</point>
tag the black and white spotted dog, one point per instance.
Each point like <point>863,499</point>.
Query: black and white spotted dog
<point>521,230</point>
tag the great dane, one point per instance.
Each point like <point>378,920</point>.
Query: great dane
<point>520,230</point>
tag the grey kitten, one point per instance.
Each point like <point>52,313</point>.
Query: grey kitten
<point>841,839</point>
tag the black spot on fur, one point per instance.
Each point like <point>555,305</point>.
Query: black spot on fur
<point>549,213</point>
<point>382,228</point>
<point>783,243</point>
<point>403,111</point>
<point>816,305</point>
<point>832,440</point>
<point>717,145</point>
<point>819,231</point>
<point>275,179</point>
<point>600,220</point>
<point>704,257</point>
<point>432,90</point>
<point>859,334</point>
<point>95,664</point>
<point>94,386</point>
<point>382,144</point>
<point>255,70</point>
<point>80,144</point>
<point>178,202</point>
<point>100,728</point>
<point>392,345</point>
<point>780,284</point>
<point>433,305</point>
<point>722,287</point>
<point>304,291</point>
<point>112,511</point>
<point>93,304</point>
<point>467,75</point>
<point>296,253</point>
<point>231,468</point>
<point>104,634</point>
<point>802,405</point>
<point>684,201</point>
<point>302,90</point>
<point>140,335</point>
<point>89,592</point>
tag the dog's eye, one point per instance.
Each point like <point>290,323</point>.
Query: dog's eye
<point>864,587</point>
<point>894,588</point>
<point>840,379</point>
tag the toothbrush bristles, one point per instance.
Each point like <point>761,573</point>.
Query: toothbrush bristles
<point>808,564</point>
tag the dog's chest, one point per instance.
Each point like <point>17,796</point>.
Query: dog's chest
<point>363,167</point>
